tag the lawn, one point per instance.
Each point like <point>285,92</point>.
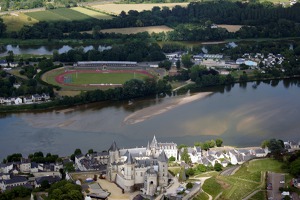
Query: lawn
<point>98,78</point>
<point>201,196</point>
<point>212,187</point>
<point>91,13</point>
<point>261,195</point>
<point>246,180</point>
<point>60,14</point>
<point>15,22</point>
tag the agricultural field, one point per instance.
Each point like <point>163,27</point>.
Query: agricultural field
<point>134,30</point>
<point>248,178</point>
<point>15,21</point>
<point>91,13</point>
<point>230,28</point>
<point>116,9</point>
<point>60,14</point>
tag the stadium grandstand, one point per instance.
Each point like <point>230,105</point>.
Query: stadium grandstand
<point>106,65</point>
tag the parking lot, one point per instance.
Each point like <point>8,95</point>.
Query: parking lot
<point>274,182</point>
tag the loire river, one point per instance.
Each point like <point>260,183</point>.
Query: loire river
<point>241,115</point>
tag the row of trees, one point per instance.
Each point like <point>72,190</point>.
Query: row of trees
<point>132,51</point>
<point>37,157</point>
<point>190,23</point>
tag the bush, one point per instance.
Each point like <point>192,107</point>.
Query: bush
<point>189,185</point>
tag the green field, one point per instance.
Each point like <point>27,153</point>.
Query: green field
<point>17,21</point>
<point>249,178</point>
<point>91,13</point>
<point>105,78</point>
<point>60,14</point>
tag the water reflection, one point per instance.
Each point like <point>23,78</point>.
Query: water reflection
<point>46,50</point>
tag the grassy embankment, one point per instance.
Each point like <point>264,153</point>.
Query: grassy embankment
<point>249,178</point>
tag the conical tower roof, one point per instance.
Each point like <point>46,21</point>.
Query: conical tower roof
<point>162,157</point>
<point>129,159</point>
<point>113,147</point>
<point>154,142</point>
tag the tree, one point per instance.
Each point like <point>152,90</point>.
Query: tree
<point>189,185</point>
<point>90,151</point>
<point>218,167</point>
<point>2,27</point>
<point>45,184</point>
<point>178,64</point>
<point>185,156</point>
<point>219,142</point>
<point>190,172</point>
<point>295,167</point>
<point>77,152</point>
<point>172,159</point>
<point>265,143</point>
<point>186,60</point>
<point>182,175</point>
<point>165,64</point>
<point>10,56</point>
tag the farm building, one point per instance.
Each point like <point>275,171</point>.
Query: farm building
<point>105,64</point>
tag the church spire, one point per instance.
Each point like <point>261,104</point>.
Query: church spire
<point>154,142</point>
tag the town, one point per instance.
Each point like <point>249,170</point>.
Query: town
<point>140,172</point>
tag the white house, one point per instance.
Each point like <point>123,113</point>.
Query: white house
<point>36,97</point>
<point>3,63</point>
<point>13,182</point>
<point>18,101</point>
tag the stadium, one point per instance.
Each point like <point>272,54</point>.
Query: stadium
<point>96,74</point>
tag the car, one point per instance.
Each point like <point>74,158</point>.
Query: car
<point>281,182</point>
<point>269,187</point>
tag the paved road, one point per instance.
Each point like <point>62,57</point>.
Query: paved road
<point>275,179</point>
<point>229,171</point>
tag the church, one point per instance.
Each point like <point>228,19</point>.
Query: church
<point>144,169</point>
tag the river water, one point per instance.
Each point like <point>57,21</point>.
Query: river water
<point>45,50</point>
<point>241,115</point>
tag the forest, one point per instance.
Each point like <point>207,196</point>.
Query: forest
<point>193,23</point>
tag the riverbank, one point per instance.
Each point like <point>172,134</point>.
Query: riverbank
<point>149,112</point>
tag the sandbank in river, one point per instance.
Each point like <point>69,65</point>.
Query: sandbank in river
<point>149,112</point>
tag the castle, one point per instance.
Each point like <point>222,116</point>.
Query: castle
<point>144,169</point>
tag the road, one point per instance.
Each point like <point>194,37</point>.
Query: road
<point>275,179</point>
<point>229,171</point>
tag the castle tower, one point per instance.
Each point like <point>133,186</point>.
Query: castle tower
<point>154,147</point>
<point>162,169</point>
<point>129,172</point>
<point>112,168</point>
<point>114,153</point>
<point>150,183</point>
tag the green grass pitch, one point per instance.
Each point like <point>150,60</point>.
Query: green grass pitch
<point>104,78</point>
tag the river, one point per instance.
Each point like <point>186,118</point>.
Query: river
<point>241,115</point>
<point>46,49</point>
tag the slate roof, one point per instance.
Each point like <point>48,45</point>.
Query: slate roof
<point>50,179</point>
<point>113,147</point>
<point>162,157</point>
<point>15,179</point>
<point>129,159</point>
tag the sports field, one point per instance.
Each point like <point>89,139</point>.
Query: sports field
<point>100,77</point>
<point>89,79</point>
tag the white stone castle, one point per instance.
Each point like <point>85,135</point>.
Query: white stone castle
<point>144,169</point>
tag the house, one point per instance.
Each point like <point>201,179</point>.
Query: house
<point>27,99</point>
<point>45,97</point>
<point>18,101</point>
<point>2,100</point>
<point>51,179</point>
<point>13,64</point>
<point>25,167</point>
<point>16,85</point>
<point>193,152</point>
<point>240,61</point>
<point>13,182</point>
<point>36,97</point>
<point>3,63</point>
<point>260,153</point>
